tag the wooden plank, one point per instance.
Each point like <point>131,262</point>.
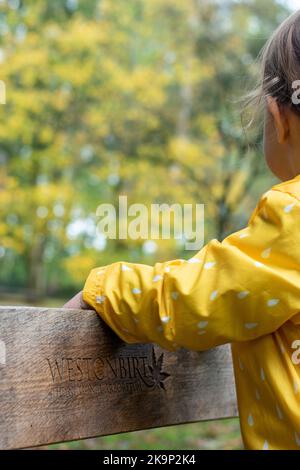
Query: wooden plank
<point>65,375</point>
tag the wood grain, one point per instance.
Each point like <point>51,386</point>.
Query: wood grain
<point>65,375</point>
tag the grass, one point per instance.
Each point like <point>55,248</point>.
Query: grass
<point>217,435</point>
<point>211,435</point>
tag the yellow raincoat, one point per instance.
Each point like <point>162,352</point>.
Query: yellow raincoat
<point>245,291</point>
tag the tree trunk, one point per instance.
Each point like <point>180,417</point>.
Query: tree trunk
<point>36,281</point>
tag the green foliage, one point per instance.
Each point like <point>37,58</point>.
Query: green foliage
<point>112,97</point>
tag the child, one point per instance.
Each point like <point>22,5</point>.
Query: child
<point>244,290</point>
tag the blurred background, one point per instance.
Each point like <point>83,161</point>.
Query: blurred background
<point>111,97</point>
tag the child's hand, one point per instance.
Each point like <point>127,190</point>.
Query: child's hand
<point>77,302</point>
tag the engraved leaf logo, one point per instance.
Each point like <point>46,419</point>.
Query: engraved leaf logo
<point>158,376</point>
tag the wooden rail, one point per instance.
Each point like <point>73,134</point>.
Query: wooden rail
<point>65,375</point>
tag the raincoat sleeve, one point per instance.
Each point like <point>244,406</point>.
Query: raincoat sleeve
<point>239,289</point>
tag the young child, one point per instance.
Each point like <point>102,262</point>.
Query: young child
<point>244,290</point>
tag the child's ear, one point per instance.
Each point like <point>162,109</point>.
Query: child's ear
<point>280,120</point>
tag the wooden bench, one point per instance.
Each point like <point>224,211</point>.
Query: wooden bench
<point>65,375</point>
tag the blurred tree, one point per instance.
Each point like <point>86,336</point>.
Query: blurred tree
<point>107,98</point>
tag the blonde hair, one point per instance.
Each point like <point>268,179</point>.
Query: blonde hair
<point>279,68</point>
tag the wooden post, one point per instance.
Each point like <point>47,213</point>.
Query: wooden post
<point>65,375</point>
